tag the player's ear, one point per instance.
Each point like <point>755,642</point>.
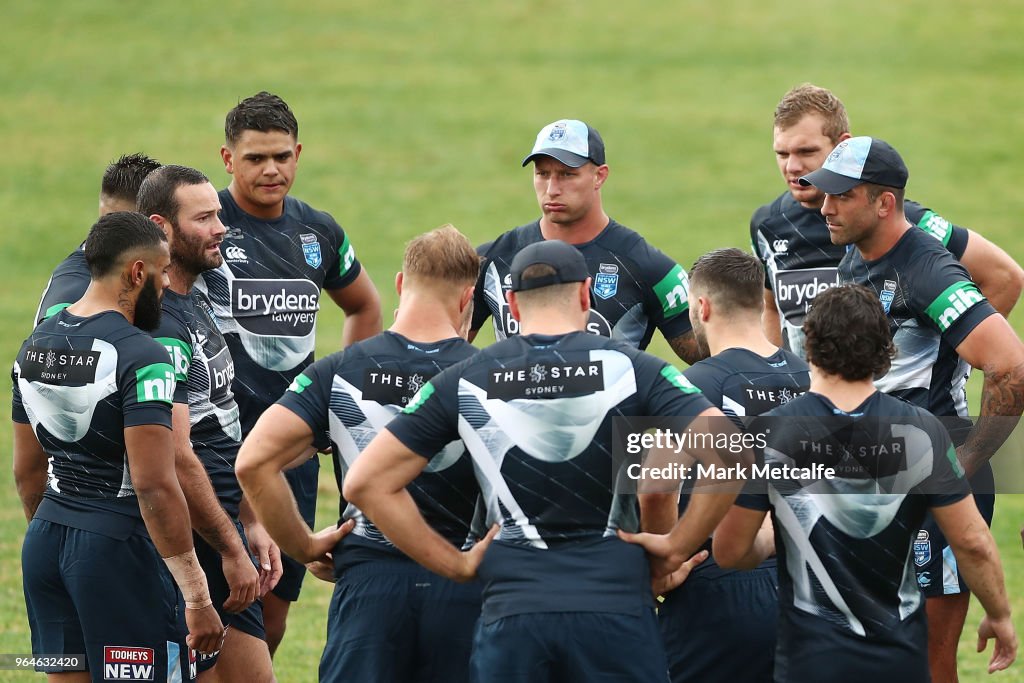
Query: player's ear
<point>162,222</point>
<point>600,176</point>
<point>585,295</point>
<point>227,157</point>
<point>513,305</point>
<point>398,282</point>
<point>298,150</point>
<point>466,299</point>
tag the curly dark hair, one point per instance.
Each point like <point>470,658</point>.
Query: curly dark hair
<point>262,112</point>
<point>848,334</point>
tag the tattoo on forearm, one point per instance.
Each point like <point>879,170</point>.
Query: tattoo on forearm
<point>685,346</point>
<point>1002,401</point>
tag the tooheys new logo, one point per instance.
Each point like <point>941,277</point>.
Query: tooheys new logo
<point>795,290</point>
<point>284,308</point>
<point>952,303</point>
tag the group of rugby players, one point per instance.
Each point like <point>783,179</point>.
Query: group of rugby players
<point>168,417</point>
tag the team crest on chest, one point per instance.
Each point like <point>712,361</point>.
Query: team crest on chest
<point>887,294</point>
<point>606,283</point>
<point>311,250</point>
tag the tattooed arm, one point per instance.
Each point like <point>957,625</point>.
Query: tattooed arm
<point>685,346</point>
<point>994,348</point>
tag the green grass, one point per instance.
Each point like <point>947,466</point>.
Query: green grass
<point>417,114</point>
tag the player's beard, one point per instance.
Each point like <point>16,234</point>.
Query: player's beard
<point>189,255</point>
<point>147,307</point>
<point>701,338</point>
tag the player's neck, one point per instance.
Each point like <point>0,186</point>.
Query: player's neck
<point>267,213</point>
<point>844,394</point>
<point>181,282</point>
<point>740,334</point>
<point>586,229</point>
<point>883,239</point>
<point>424,318</point>
<point>102,296</point>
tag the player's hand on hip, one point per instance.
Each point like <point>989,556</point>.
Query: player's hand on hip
<point>662,556</point>
<point>322,569</point>
<point>1005,650</point>
<point>267,556</point>
<point>323,542</point>
<point>469,561</point>
<point>205,630</point>
<point>243,581</point>
<point>663,584</point>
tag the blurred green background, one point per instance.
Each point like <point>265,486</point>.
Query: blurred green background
<point>417,114</point>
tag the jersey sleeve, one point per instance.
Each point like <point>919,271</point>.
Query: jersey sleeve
<point>145,383</point>
<point>309,396</point>
<point>174,336</point>
<point>343,267</point>
<point>668,392</point>
<point>947,483</point>
<point>18,413</point>
<point>481,311</point>
<point>953,237</point>
<point>66,286</point>
<point>668,296</point>
<point>753,501</point>
<point>431,420</point>
<point>704,377</point>
<point>947,298</point>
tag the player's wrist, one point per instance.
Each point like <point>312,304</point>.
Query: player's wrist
<point>191,579</point>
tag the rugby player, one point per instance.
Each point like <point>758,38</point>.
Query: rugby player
<point>636,288</point>
<point>791,238</point>
<point>564,599</point>
<point>850,610</point>
<point>118,190</point>
<point>941,324</point>
<point>279,254</point>
<point>94,467</point>
<point>719,612</point>
<point>390,619</point>
<point>207,435</point>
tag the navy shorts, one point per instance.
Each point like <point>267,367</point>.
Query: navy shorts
<point>551,647</point>
<point>393,620</point>
<point>111,599</point>
<point>937,572</point>
<point>303,481</point>
<point>706,622</point>
<point>248,621</point>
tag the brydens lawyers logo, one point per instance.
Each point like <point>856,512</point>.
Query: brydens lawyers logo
<point>128,663</point>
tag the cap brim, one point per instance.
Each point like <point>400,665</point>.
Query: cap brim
<point>830,182</point>
<point>568,158</point>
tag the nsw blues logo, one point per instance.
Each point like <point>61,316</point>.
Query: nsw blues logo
<point>922,548</point>
<point>311,250</point>
<point>887,294</point>
<point>606,284</point>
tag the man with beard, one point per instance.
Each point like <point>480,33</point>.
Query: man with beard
<point>207,435</point>
<point>94,467</point>
<point>718,612</point>
<point>280,255</point>
<point>118,189</point>
<point>791,238</point>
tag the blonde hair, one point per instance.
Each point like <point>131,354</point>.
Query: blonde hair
<point>443,254</point>
<point>810,99</point>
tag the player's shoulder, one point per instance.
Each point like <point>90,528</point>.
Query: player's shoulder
<point>512,241</point>
<point>300,210</point>
<point>778,207</point>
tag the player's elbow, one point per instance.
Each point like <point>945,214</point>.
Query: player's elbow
<point>249,469</point>
<point>729,553</point>
<point>974,546</point>
<point>358,489</point>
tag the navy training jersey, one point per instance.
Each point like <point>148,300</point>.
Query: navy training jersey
<point>744,384</point>
<point>932,306</point>
<point>848,593</point>
<point>67,284</point>
<point>800,260</point>
<point>535,414</point>
<point>266,294</point>
<point>79,382</point>
<point>635,288</point>
<point>351,395</point>
<point>203,372</point>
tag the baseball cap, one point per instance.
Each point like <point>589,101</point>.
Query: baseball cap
<point>859,160</point>
<point>572,142</point>
<point>568,262</point>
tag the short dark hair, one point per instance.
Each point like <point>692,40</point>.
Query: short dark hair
<point>848,334</point>
<point>157,194</point>
<point>124,177</point>
<point>875,191</point>
<point>732,278</point>
<point>115,234</point>
<point>263,112</point>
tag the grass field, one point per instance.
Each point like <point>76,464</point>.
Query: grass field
<point>417,114</point>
